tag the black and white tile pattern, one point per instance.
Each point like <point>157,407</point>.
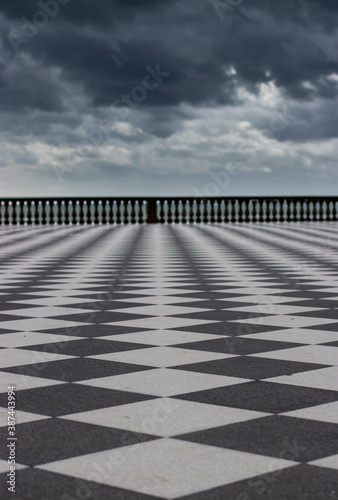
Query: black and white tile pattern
<point>189,362</point>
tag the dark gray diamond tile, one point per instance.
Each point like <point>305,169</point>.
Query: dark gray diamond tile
<point>76,369</point>
<point>86,347</point>
<point>250,367</point>
<point>36,484</point>
<point>93,330</point>
<point>64,399</point>
<point>239,345</point>
<point>55,439</point>
<point>290,438</point>
<point>263,396</point>
<point>300,482</point>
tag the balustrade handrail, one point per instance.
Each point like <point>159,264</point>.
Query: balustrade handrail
<point>171,209</point>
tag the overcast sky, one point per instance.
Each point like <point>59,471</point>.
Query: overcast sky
<point>166,97</point>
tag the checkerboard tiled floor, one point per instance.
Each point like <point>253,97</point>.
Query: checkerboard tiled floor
<point>171,362</point>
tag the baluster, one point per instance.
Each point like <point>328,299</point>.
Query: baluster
<point>234,210</point>
<point>180,211</point>
<point>230,211</point>
<point>266,211</point>
<point>222,210</point>
<point>278,211</point>
<point>24,219</point>
<point>121,212</point>
<point>284,210</point>
<point>96,213</point>
<point>136,212</point>
<point>173,211</point>
<point>255,211</point>
<point>63,212</point>
<point>324,210</point>
<point>306,210</point>
<point>237,211</point>
<point>10,213</point>
<point>257,208</point>
<point>259,211</point>
<point>55,212</point>
<point>316,210</point>
<point>9,210</point>
<point>32,212</point>
<point>202,211</point>
<point>107,212</point>
<point>69,213</point>
<point>187,210</point>
<point>47,211</point>
<point>164,204</point>
<point>330,210</point>
<point>194,211</point>
<point>40,213</point>
<point>294,211</point>
<point>297,211</point>
<point>29,212</point>
<point>215,207</point>
<point>301,210</point>
<point>270,214</point>
<point>165,209</point>
<point>7,203</point>
<point>208,211</point>
<point>3,213</point>
<point>92,211</point>
<point>248,215</point>
<point>85,212</point>
<point>313,210</point>
<point>251,211</point>
<point>159,210</point>
<point>77,212</point>
<point>271,211</point>
<point>18,213</point>
<point>99,212</point>
<point>115,210</point>
<point>144,212</point>
<point>240,210</point>
<point>16,209</point>
<point>129,212</point>
<point>263,211</point>
<point>291,213</point>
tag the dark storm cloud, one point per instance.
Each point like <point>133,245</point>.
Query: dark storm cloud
<point>104,46</point>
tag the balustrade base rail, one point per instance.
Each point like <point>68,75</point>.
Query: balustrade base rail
<point>60,211</point>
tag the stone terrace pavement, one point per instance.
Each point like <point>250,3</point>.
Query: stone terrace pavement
<point>186,362</point>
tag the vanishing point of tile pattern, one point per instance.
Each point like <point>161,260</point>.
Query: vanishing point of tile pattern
<point>188,362</point>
